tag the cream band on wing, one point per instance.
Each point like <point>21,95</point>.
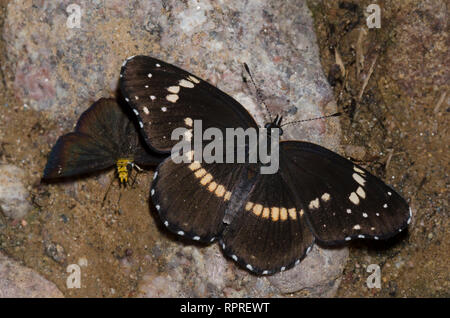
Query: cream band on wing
<point>275,213</point>
<point>358,176</point>
<point>206,180</point>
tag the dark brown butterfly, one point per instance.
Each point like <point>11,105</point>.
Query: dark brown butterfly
<point>104,137</point>
<point>265,222</point>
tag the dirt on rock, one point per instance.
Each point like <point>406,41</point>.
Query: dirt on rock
<point>392,83</point>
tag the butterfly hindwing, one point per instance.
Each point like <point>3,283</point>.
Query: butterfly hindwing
<point>269,232</point>
<point>75,154</point>
<point>342,201</point>
<point>203,193</point>
<point>164,97</point>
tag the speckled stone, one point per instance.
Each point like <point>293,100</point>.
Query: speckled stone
<point>17,281</point>
<point>191,271</point>
<point>319,273</point>
<point>60,71</point>
<point>13,194</point>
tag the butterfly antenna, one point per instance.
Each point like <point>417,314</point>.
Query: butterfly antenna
<point>311,119</point>
<point>258,92</point>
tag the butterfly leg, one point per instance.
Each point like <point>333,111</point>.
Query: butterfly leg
<point>107,190</point>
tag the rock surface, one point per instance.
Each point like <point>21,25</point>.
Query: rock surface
<point>319,273</point>
<point>202,272</point>
<point>60,70</point>
<point>13,194</point>
<point>17,281</point>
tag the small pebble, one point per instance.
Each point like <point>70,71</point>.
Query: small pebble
<point>56,252</point>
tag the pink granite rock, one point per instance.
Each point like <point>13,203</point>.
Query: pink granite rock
<point>17,281</point>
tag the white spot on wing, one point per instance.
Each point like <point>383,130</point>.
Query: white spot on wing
<point>358,170</point>
<point>172,98</point>
<point>185,83</point>
<point>325,197</point>
<point>359,179</point>
<point>173,89</point>
<point>193,79</point>
<point>314,204</point>
<point>188,121</point>
<point>360,191</point>
<point>354,198</point>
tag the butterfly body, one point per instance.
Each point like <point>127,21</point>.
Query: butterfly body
<point>265,222</point>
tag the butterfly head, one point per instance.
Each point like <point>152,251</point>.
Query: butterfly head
<point>275,124</point>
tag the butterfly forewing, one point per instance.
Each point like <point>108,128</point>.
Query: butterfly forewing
<point>165,97</point>
<point>342,201</point>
